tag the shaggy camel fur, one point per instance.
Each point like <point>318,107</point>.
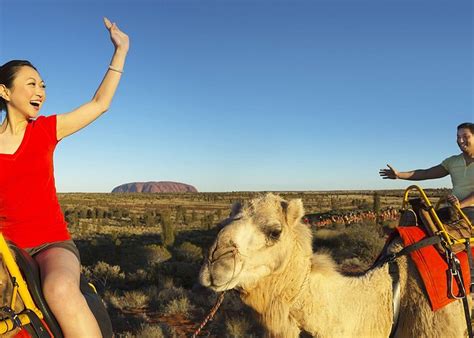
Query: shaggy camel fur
<point>265,252</point>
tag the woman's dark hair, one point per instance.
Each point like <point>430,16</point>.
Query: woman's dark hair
<point>7,75</point>
<point>467,125</point>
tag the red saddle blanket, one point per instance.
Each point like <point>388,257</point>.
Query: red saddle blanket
<point>433,268</point>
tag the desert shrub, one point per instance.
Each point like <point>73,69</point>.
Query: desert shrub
<point>166,295</point>
<point>189,252</point>
<point>155,254</point>
<point>237,327</point>
<point>179,306</point>
<point>150,331</point>
<point>327,239</point>
<point>166,282</point>
<point>113,298</point>
<point>135,299</point>
<point>183,272</point>
<point>363,242</point>
<point>139,277</point>
<point>104,273</point>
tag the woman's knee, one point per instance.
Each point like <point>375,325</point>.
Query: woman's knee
<point>61,288</point>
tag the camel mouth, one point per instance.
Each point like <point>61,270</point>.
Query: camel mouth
<point>216,282</point>
<point>230,284</point>
<point>221,273</point>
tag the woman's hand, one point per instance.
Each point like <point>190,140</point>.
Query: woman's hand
<point>119,38</point>
<point>390,173</point>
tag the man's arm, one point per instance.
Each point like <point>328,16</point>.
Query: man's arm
<point>414,175</point>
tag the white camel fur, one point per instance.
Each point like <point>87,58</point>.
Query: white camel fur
<point>265,252</point>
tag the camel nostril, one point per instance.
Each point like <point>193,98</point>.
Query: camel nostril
<point>222,254</point>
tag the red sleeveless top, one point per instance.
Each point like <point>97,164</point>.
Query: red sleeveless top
<point>30,214</point>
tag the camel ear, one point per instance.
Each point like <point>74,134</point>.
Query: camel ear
<point>294,211</point>
<point>236,208</point>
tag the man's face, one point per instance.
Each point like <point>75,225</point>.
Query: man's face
<point>465,140</point>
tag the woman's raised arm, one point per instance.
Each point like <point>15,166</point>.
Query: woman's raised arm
<point>69,123</point>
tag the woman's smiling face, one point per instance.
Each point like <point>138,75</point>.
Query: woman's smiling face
<point>27,93</point>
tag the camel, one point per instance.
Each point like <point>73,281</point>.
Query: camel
<point>264,251</point>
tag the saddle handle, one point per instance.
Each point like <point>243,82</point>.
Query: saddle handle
<point>442,229</point>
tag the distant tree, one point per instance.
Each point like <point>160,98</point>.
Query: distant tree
<point>83,213</point>
<point>376,204</point>
<point>117,213</point>
<point>207,221</point>
<point>193,216</point>
<point>99,213</point>
<point>71,218</point>
<point>134,220</point>
<point>149,220</point>
<point>335,203</point>
<point>167,230</point>
<point>180,214</point>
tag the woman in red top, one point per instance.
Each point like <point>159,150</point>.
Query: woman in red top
<point>30,215</point>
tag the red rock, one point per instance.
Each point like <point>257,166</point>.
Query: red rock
<point>154,187</point>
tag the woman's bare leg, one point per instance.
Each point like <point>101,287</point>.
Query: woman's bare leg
<point>60,275</point>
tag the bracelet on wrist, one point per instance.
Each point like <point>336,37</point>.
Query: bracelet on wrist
<point>116,69</point>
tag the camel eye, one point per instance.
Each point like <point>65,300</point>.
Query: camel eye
<point>274,234</point>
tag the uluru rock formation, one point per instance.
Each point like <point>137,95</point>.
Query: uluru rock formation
<point>154,187</point>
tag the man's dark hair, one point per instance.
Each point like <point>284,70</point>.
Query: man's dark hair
<point>467,125</point>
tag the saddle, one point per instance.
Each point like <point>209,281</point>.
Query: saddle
<point>30,270</point>
<point>457,228</point>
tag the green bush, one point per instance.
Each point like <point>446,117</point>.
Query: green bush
<point>189,252</point>
<point>150,331</point>
<point>179,306</point>
<point>155,254</point>
<point>104,273</point>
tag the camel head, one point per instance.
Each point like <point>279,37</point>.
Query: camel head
<point>258,240</point>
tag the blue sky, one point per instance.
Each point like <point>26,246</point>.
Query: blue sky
<point>253,94</point>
